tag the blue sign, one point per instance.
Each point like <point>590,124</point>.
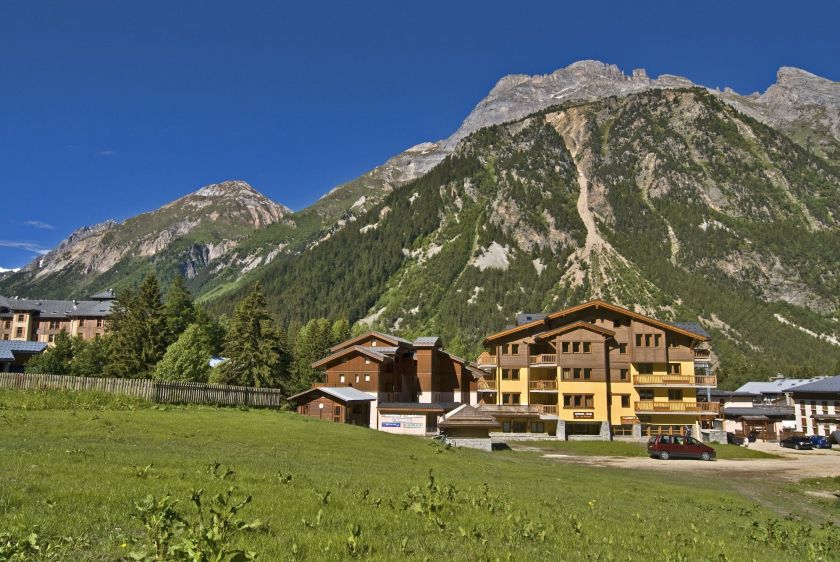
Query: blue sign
<point>390,424</point>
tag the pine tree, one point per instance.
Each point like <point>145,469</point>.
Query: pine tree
<point>254,348</point>
<point>340,331</point>
<point>54,360</point>
<point>138,331</point>
<point>89,357</point>
<point>312,343</point>
<point>179,309</point>
<point>188,358</point>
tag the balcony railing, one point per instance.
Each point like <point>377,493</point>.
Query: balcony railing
<point>544,359</point>
<point>702,354</point>
<point>675,380</point>
<point>486,360</point>
<point>677,406</point>
<point>545,409</point>
<point>486,385</point>
<point>543,385</point>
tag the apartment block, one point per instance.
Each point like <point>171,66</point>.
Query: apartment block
<point>41,320</point>
<point>390,383</point>
<point>597,369</point>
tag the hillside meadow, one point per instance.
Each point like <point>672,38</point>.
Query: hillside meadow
<point>77,471</point>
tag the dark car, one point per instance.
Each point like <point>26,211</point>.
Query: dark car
<point>796,442</point>
<point>677,446</point>
<point>733,439</point>
<point>820,442</point>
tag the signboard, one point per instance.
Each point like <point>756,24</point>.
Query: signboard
<point>584,415</point>
<point>629,420</point>
<point>406,424</point>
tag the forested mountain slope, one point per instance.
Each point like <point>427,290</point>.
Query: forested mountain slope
<point>668,201</point>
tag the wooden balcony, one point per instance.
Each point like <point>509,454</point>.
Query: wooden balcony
<point>545,409</point>
<point>675,380</point>
<point>486,385</point>
<point>545,385</point>
<point>677,407</point>
<point>547,359</point>
<point>486,360</point>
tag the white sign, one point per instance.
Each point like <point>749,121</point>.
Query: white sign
<point>408,424</point>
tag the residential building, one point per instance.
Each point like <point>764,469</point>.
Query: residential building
<point>816,406</point>
<point>412,384</point>
<point>597,369</point>
<point>42,319</point>
<point>15,353</point>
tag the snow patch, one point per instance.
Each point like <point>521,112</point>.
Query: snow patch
<point>495,256</point>
<point>833,340</point>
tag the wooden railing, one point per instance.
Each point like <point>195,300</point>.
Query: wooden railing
<point>486,384</point>
<point>486,359</point>
<point>544,359</point>
<point>677,406</point>
<point>543,385</point>
<point>548,409</point>
<point>676,380</point>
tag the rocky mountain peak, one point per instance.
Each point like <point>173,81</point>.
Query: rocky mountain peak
<point>227,189</point>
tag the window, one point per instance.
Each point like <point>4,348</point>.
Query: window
<point>99,322</point>
<point>645,394</point>
<point>367,378</point>
<point>565,347</point>
<point>336,410</point>
<point>645,368</point>
<point>373,343</point>
<point>587,347</point>
<point>510,374</point>
<point>616,323</point>
<point>367,361</point>
<point>340,378</point>
<point>54,324</point>
<point>624,374</point>
<point>82,323</point>
<point>648,340</point>
<point>576,347</point>
<point>537,427</point>
<point>5,336</point>
<point>657,340</point>
<point>357,378</point>
<point>567,373</point>
<point>505,427</point>
<point>20,317</point>
<point>675,394</point>
<point>583,401</point>
<point>638,340</point>
<point>18,332</point>
<point>625,400</point>
<point>511,398</point>
<point>51,338</point>
<point>514,349</point>
<point>674,368</point>
<point>622,348</point>
<point>520,426</point>
<point>587,374</point>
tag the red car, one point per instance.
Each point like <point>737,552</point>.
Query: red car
<point>677,446</point>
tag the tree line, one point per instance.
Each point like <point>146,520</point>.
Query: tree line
<point>169,337</point>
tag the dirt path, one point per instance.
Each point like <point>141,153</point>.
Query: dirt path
<point>793,466</point>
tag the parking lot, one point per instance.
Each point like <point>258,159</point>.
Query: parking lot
<point>794,465</point>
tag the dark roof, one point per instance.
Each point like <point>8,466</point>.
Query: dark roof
<point>49,308</point>
<point>393,340</point>
<point>468,416</point>
<point>693,327</point>
<point>10,348</point>
<point>829,385</point>
<point>419,406</point>
<point>428,341</point>
<point>759,410</point>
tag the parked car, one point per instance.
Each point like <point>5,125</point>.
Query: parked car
<point>677,446</point>
<point>733,439</point>
<point>796,442</point>
<point>820,442</point>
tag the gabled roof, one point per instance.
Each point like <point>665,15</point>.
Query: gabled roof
<point>772,387</point>
<point>393,340</point>
<point>574,326</point>
<point>468,416</point>
<point>598,303</point>
<point>366,351</point>
<point>343,393</point>
<point>828,385</point>
<point>427,341</point>
<point>50,308</point>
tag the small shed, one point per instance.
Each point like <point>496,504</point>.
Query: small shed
<point>467,426</point>
<point>341,404</point>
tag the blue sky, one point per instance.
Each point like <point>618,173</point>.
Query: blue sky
<point>110,108</point>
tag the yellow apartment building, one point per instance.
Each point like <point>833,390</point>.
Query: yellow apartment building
<point>597,369</point>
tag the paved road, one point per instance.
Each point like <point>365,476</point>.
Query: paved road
<point>793,466</point>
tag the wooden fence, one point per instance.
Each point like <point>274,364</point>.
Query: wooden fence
<point>164,392</point>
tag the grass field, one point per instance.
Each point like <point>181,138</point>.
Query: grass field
<point>74,474</point>
<point>629,449</point>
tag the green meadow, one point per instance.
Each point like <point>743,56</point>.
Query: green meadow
<point>77,472</point>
